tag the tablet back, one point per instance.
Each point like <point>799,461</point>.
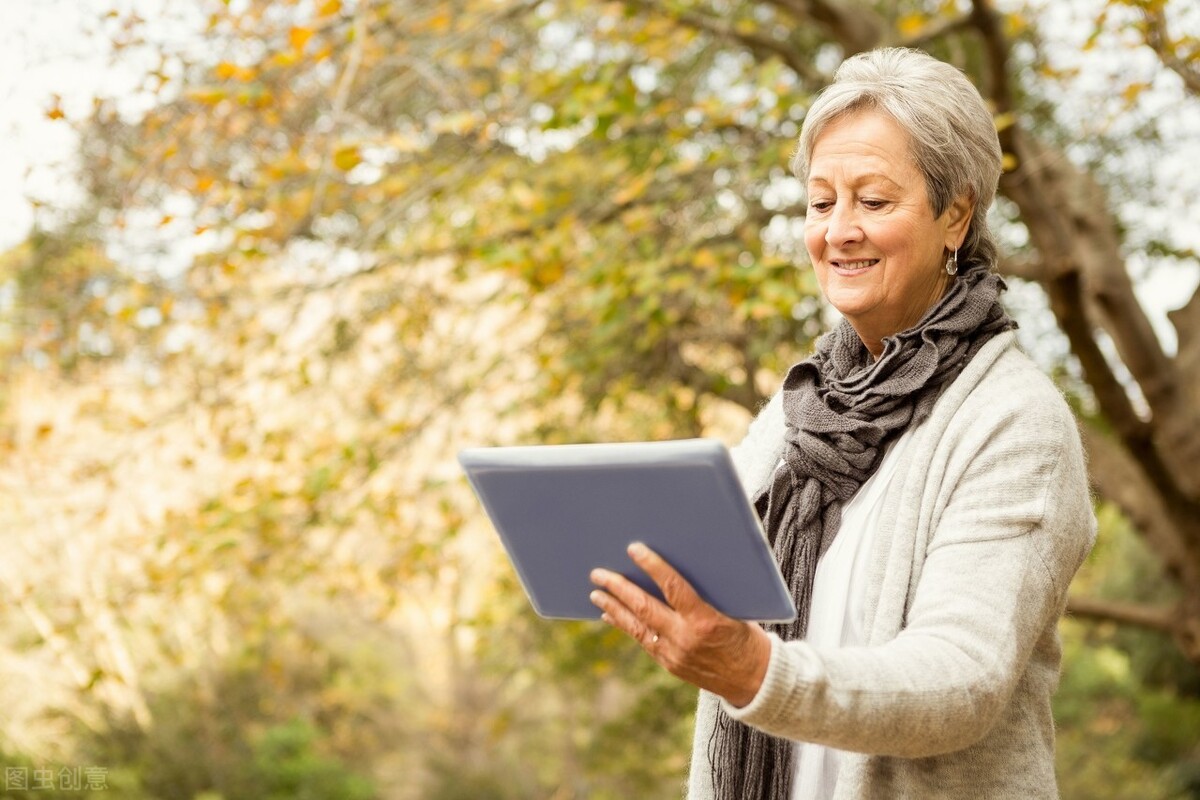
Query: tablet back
<point>562,510</point>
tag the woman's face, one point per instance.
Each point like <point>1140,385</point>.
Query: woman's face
<point>877,248</point>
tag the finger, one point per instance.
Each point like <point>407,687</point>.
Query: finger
<point>619,615</point>
<point>648,609</point>
<point>675,588</point>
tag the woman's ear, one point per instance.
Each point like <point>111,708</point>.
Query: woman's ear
<point>958,220</point>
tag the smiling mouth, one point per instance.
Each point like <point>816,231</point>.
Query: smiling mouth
<point>858,265</point>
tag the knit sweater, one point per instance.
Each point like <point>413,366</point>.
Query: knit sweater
<point>985,522</point>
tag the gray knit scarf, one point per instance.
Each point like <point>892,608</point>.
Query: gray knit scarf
<point>842,411</point>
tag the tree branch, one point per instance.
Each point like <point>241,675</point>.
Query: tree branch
<point>1186,320</point>
<point>337,114</point>
<point>764,47</point>
<point>1027,268</point>
<point>938,28</point>
<point>1092,608</point>
<point>1065,293</point>
<point>1121,480</point>
<point>1066,300</point>
<point>983,18</point>
<point>856,28</point>
<point>1159,39</point>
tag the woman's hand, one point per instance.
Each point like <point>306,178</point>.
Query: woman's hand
<point>686,635</point>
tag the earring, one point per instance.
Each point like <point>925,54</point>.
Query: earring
<point>952,263</point>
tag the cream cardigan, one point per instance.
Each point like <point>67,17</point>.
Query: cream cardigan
<point>985,523</point>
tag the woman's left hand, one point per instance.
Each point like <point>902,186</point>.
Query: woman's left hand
<point>686,635</point>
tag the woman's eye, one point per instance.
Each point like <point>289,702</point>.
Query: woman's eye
<point>874,205</point>
<point>820,205</point>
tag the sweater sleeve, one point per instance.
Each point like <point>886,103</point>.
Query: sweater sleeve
<point>1012,522</point>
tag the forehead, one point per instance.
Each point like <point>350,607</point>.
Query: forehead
<point>863,143</point>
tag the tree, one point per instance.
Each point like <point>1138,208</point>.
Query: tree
<point>420,215</point>
<point>624,162</point>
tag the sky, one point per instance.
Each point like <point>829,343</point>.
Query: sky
<point>50,47</point>
<point>41,51</point>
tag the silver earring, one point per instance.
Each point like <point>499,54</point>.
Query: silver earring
<point>952,263</point>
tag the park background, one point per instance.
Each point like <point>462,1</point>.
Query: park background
<point>267,264</point>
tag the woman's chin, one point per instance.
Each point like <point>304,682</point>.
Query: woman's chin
<point>850,304</point>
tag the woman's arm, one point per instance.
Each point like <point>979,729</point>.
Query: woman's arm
<point>1016,524</point>
<point>1011,524</point>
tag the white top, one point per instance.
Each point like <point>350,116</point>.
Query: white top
<point>836,615</point>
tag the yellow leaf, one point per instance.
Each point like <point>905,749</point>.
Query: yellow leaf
<point>347,157</point>
<point>1016,24</point>
<point>633,190</point>
<point>1133,90</point>
<point>549,273</point>
<point>1009,162</point>
<point>911,24</point>
<point>227,70</point>
<point>439,22</point>
<point>404,143</point>
<point>284,59</point>
<point>166,220</point>
<point>55,111</point>
<point>329,8</point>
<point>1004,121</point>
<point>458,123</point>
<point>299,37</point>
<point>209,95</point>
<point>254,96</point>
<point>524,195</point>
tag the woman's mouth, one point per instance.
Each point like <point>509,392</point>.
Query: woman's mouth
<point>858,265</point>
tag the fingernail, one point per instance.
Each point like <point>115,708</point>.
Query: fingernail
<point>597,576</point>
<point>595,597</point>
<point>638,550</point>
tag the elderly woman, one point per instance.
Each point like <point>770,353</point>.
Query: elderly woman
<point>921,482</point>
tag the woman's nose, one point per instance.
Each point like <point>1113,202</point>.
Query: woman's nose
<point>843,225</point>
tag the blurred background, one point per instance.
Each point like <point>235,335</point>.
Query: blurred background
<point>265,265</point>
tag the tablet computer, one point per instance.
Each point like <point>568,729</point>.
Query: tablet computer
<point>562,510</point>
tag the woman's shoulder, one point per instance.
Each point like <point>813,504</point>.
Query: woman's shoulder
<point>1013,383</point>
<point>1003,401</point>
<point>1001,381</point>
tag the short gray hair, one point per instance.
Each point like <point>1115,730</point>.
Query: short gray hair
<point>951,132</point>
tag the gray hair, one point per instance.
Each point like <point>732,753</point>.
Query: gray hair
<point>952,137</point>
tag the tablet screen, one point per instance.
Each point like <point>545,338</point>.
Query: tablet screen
<point>562,510</point>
